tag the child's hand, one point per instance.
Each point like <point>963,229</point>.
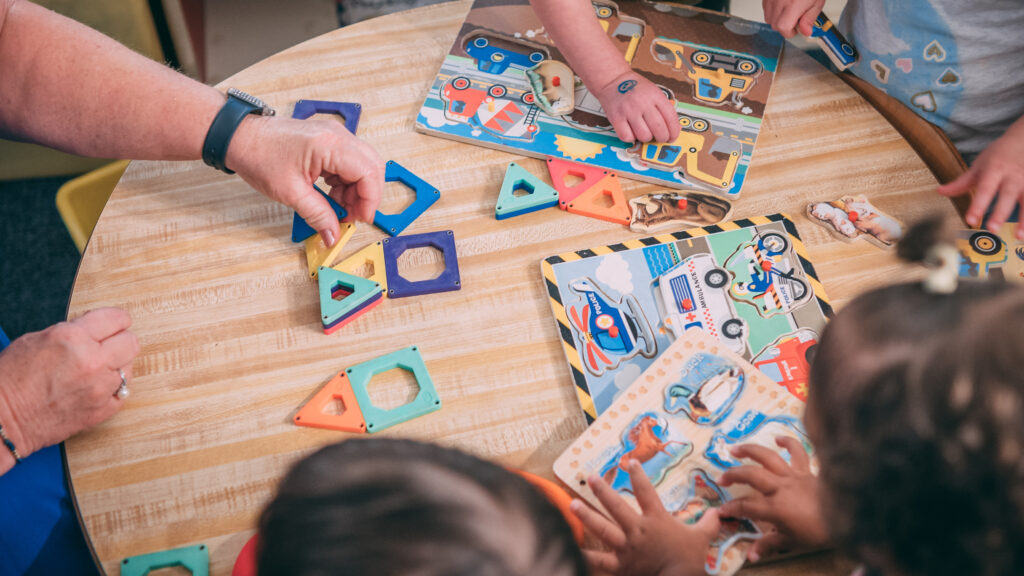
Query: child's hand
<point>788,497</point>
<point>652,543</point>
<point>638,110</point>
<point>787,17</point>
<point>997,174</point>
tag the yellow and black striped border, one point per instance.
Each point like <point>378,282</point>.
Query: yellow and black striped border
<point>569,343</point>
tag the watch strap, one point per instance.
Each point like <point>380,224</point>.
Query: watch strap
<point>215,147</point>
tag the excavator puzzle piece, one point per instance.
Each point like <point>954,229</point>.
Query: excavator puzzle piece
<point>339,389</point>
<point>561,170</point>
<point>592,202</point>
<point>319,254</point>
<point>538,195</point>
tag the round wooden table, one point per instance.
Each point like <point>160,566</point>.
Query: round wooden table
<point>228,317</point>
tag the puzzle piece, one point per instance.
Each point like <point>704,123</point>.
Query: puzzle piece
<point>349,111</point>
<point>301,231</point>
<point>371,255</point>
<point>676,209</point>
<point>319,254</point>
<point>399,287</point>
<point>538,194</point>
<point>355,291</point>
<point>560,170</point>
<point>425,402</point>
<point>853,217</point>
<point>351,418</point>
<point>591,202</point>
<point>426,195</point>
<point>195,559</point>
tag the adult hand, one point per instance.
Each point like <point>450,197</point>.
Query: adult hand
<point>787,17</point>
<point>652,543</point>
<point>997,175</point>
<point>63,380</point>
<point>638,110</point>
<point>787,497</point>
<point>282,158</point>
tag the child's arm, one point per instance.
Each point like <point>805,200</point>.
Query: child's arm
<point>996,175</point>
<point>787,497</point>
<point>787,17</point>
<point>637,109</point>
<point>651,543</point>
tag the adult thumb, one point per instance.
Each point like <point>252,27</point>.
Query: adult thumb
<point>314,208</point>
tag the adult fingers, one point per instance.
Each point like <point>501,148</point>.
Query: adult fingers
<point>103,323</point>
<point>602,561</point>
<point>756,477</point>
<point>640,129</point>
<point>317,212</point>
<point>656,123</point>
<point>646,496</point>
<point>763,456</point>
<point>767,545</point>
<point>598,525</point>
<point>984,192</point>
<point>798,457</point>
<point>1008,197</point>
<point>613,503</point>
<point>120,349</point>
<point>755,507</point>
<point>367,193</point>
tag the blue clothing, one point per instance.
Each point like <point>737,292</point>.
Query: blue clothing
<point>957,64</point>
<point>39,530</point>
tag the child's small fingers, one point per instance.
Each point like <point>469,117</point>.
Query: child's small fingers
<point>598,525</point>
<point>646,496</point>
<point>709,524</point>
<point>622,129</point>
<point>1020,224</point>
<point>753,507</point>
<point>961,185</point>
<point>763,456</point>
<point>806,21</point>
<point>602,561</point>
<point>798,457</point>
<point>1007,200</point>
<point>756,477</point>
<point>656,124</point>
<point>767,545</point>
<point>668,113</point>
<point>984,192</point>
<point>640,129</point>
<point>613,503</point>
<point>786,23</point>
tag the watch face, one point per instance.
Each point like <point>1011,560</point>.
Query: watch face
<point>264,109</point>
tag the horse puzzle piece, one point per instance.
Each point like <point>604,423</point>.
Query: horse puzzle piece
<point>349,111</point>
<point>319,254</point>
<point>314,414</point>
<point>853,217</point>
<point>301,230</point>
<point>649,440</point>
<point>426,195</point>
<point>538,195</point>
<point>562,170</point>
<point>195,559</point>
<point>676,209</point>
<point>448,280</point>
<point>409,359</point>
<point>592,202</point>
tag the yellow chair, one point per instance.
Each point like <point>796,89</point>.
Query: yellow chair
<point>81,200</point>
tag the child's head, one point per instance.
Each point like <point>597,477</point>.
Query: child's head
<point>917,411</point>
<point>398,507</point>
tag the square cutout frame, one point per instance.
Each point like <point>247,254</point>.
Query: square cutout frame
<point>449,280</point>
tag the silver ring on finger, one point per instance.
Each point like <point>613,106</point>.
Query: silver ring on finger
<point>122,390</point>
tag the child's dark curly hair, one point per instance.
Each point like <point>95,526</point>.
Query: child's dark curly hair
<point>917,410</point>
<point>392,507</point>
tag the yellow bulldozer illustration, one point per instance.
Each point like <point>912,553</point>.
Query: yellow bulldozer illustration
<point>717,75</point>
<point>683,152</point>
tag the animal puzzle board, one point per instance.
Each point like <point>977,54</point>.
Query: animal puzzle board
<point>747,282</point>
<point>679,420</point>
<point>717,69</point>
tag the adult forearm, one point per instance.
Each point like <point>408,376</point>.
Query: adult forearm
<point>577,32</point>
<point>67,86</point>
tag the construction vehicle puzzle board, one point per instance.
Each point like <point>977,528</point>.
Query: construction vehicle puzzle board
<point>718,70</point>
<point>747,282</point>
<point>679,420</point>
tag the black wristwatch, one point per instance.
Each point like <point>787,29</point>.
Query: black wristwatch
<point>238,106</point>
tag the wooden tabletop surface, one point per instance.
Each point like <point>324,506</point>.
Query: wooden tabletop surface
<point>228,317</point>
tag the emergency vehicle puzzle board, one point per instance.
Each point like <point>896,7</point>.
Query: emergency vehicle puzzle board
<point>748,282</point>
<point>679,420</point>
<point>717,69</point>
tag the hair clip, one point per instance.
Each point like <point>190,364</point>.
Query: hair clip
<point>943,261</point>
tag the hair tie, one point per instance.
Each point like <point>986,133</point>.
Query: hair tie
<point>943,261</point>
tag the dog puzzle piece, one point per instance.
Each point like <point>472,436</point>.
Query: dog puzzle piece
<point>319,254</point>
<point>537,197</point>
<point>314,414</point>
<point>426,195</point>
<point>409,359</point>
<point>354,314</point>
<point>448,280</point>
<point>349,111</point>
<point>301,231</point>
<point>676,209</point>
<point>591,202</point>
<point>853,217</point>
<point>370,256</point>
<point>353,289</point>
<point>195,559</point>
<point>560,170</point>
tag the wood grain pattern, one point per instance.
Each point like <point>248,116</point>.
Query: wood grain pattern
<point>228,317</point>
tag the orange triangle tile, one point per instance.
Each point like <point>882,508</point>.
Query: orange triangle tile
<point>592,202</point>
<point>561,169</point>
<point>350,420</point>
